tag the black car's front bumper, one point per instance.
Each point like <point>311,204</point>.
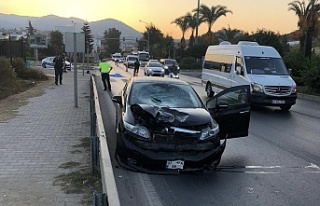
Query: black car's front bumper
<point>148,157</point>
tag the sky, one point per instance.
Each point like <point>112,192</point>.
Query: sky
<point>247,15</point>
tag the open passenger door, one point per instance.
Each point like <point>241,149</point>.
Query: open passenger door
<point>231,110</point>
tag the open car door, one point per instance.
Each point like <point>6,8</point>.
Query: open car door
<point>231,110</point>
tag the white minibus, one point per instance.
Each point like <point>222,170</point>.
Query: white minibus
<point>248,63</point>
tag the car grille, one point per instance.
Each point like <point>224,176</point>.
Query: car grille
<point>277,90</point>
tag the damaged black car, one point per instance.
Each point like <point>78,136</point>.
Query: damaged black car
<point>164,127</point>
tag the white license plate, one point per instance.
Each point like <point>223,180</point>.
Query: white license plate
<point>278,102</point>
<point>176,164</point>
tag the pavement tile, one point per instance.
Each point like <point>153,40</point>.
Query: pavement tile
<point>39,139</point>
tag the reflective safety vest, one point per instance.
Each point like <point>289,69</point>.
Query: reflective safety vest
<point>104,67</point>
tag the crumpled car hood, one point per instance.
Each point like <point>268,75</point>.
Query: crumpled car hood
<point>170,116</point>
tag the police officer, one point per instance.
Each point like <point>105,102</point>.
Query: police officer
<point>136,67</point>
<point>58,62</point>
<point>105,69</point>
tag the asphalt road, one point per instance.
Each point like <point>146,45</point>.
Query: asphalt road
<point>277,164</point>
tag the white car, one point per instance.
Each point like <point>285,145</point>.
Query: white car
<point>130,59</point>
<point>154,68</point>
<point>48,63</point>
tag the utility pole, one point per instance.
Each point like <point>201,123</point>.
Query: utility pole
<point>197,28</point>
<point>148,27</point>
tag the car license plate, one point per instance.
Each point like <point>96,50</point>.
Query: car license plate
<point>278,101</point>
<point>176,164</point>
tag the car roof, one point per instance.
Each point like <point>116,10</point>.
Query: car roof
<point>158,80</point>
<point>135,56</point>
<point>168,59</point>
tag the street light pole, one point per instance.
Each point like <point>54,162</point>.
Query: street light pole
<point>197,22</point>
<point>148,33</point>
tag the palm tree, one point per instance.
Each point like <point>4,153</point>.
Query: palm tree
<point>210,16</point>
<point>182,23</point>
<point>228,34</point>
<point>308,23</point>
<point>192,24</point>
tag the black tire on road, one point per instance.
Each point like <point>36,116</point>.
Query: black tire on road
<point>285,107</point>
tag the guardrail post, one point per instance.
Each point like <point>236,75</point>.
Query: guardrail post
<point>94,142</point>
<point>100,199</point>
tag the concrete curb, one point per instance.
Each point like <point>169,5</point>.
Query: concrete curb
<point>309,97</point>
<point>107,175</point>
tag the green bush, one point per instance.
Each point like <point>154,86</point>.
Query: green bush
<point>296,61</point>
<point>189,63</point>
<point>311,75</point>
<point>6,72</point>
<point>24,73</point>
<point>33,74</point>
<point>19,67</point>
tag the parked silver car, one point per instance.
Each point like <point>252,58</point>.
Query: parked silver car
<point>153,68</point>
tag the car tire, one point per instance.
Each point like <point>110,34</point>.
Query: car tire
<point>209,91</point>
<point>216,163</point>
<point>285,107</point>
<point>44,65</point>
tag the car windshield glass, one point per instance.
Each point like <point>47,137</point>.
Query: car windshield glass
<point>265,66</point>
<point>171,62</point>
<point>155,64</point>
<point>132,59</point>
<point>164,95</point>
<point>144,56</point>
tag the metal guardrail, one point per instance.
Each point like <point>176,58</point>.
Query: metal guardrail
<point>100,152</point>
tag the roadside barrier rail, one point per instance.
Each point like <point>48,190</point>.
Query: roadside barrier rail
<point>100,152</point>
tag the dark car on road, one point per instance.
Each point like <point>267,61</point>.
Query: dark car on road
<point>170,67</point>
<point>164,127</point>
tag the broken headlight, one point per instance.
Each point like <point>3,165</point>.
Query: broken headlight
<point>139,130</point>
<point>209,133</point>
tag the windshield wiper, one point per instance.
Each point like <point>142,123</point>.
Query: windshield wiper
<point>155,99</point>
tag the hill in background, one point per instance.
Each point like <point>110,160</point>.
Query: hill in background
<point>52,22</point>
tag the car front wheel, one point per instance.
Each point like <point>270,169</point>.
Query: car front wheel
<point>44,65</point>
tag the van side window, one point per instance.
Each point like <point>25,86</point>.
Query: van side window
<point>218,62</point>
<point>239,63</point>
<point>212,62</point>
<point>227,63</point>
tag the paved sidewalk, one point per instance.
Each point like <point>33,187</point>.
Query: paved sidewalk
<point>39,139</point>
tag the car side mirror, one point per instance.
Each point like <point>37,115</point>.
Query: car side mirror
<point>238,70</point>
<point>290,71</point>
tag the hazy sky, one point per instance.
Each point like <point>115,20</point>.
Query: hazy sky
<point>248,15</point>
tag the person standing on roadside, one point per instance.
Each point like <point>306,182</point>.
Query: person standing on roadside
<point>58,68</point>
<point>105,68</point>
<point>136,67</point>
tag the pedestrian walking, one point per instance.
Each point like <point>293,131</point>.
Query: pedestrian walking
<point>105,69</point>
<point>58,62</point>
<point>136,67</point>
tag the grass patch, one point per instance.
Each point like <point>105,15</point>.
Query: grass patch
<point>84,142</point>
<point>75,151</point>
<point>81,180</point>
<point>69,165</point>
